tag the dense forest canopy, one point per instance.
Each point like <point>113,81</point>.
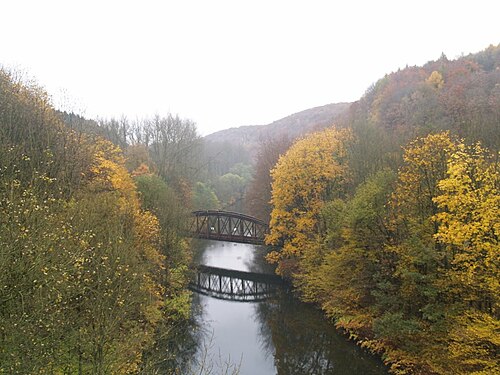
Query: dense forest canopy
<point>92,264</point>
<point>393,227</point>
<point>461,95</point>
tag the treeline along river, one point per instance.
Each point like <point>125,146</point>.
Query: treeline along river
<point>277,334</point>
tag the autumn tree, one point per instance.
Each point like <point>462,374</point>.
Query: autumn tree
<point>354,234</point>
<point>311,171</point>
<point>120,274</point>
<point>469,226</point>
<point>469,229</point>
<point>168,145</point>
<point>413,207</point>
<point>82,277</point>
<point>406,263</point>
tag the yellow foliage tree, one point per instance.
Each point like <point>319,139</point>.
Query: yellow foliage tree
<point>473,345</point>
<point>425,164</point>
<point>435,80</point>
<point>311,171</point>
<point>470,225</point>
<point>122,265</point>
<point>446,228</point>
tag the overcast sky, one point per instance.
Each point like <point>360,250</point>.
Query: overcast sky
<point>229,63</point>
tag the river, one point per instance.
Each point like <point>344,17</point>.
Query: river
<point>280,335</point>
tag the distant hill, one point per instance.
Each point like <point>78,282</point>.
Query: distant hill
<point>292,126</point>
<point>461,96</point>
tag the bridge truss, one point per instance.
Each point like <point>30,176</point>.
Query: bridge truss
<point>228,226</point>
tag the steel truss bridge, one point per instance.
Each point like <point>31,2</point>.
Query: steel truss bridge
<point>231,285</point>
<point>227,226</point>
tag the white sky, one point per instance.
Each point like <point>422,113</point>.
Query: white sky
<point>229,63</point>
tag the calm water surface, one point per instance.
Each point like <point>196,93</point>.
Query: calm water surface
<point>278,336</point>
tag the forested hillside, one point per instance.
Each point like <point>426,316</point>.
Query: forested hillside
<point>390,221</point>
<point>461,95</point>
<point>231,155</point>
<point>249,137</point>
<point>92,267</point>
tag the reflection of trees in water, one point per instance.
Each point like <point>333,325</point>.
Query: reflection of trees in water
<point>176,345</point>
<point>202,359</point>
<point>303,342</point>
<point>187,349</point>
<point>197,249</point>
<point>263,311</point>
<point>257,263</point>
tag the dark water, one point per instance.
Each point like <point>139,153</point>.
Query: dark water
<point>278,336</point>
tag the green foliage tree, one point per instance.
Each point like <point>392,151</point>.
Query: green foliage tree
<point>230,189</point>
<point>348,278</point>
<point>204,197</point>
<point>88,295</point>
<point>419,257</point>
<point>174,328</point>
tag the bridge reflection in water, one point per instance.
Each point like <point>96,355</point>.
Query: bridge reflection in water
<point>231,285</point>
